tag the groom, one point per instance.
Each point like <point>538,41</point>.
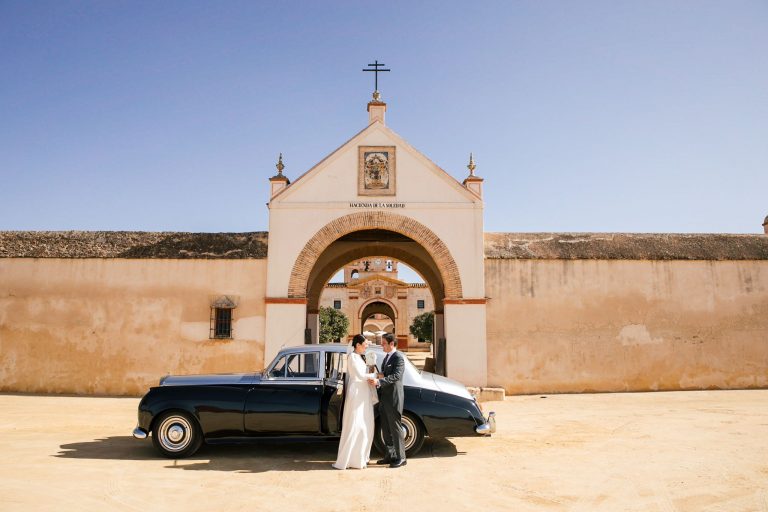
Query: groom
<point>390,382</point>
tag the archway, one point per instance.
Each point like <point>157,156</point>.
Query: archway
<point>423,251</point>
<point>377,293</point>
<point>442,263</point>
<point>378,306</point>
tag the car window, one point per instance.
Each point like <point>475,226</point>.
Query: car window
<point>306,364</point>
<point>333,365</point>
<point>279,369</point>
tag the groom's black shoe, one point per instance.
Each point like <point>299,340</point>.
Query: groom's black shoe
<point>385,460</point>
<point>398,463</point>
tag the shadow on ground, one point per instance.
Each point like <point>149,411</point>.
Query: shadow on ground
<point>254,457</point>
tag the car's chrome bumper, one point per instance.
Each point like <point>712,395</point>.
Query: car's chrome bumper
<point>489,427</point>
<point>139,433</point>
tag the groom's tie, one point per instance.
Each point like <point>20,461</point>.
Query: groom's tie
<point>384,364</point>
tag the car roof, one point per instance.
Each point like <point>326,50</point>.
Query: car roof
<point>323,347</point>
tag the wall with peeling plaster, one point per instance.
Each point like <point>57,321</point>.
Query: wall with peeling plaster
<point>115,326</point>
<point>110,313</point>
<point>619,325</point>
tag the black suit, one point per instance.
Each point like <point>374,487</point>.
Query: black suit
<point>391,404</point>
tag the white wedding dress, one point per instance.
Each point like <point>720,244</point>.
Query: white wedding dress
<point>357,422</point>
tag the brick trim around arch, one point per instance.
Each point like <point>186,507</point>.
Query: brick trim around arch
<point>418,232</point>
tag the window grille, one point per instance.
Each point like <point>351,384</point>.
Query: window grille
<point>221,323</point>
<point>420,304</point>
<point>337,304</point>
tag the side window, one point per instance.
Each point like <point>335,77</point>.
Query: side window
<point>343,365</point>
<point>332,365</point>
<point>303,365</point>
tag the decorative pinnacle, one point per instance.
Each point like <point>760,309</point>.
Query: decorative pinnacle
<point>279,164</point>
<point>471,165</point>
<point>377,96</point>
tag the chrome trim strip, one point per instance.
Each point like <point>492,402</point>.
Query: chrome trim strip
<point>138,433</point>
<point>297,381</point>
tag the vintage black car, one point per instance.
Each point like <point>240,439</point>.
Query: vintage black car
<point>300,395</point>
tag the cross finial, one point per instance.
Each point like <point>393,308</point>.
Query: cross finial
<point>376,65</point>
<point>279,164</point>
<point>471,165</point>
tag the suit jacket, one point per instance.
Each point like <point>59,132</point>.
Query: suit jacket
<point>391,385</point>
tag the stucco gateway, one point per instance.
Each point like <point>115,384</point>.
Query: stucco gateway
<point>377,195</point>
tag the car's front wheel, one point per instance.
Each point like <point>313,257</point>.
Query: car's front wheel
<point>414,435</point>
<point>176,435</point>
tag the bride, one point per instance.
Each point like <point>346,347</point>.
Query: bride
<point>357,422</point>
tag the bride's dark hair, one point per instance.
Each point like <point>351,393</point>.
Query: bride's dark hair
<point>358,339</point>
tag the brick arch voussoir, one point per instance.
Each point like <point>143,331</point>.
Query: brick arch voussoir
<point>313,249</point>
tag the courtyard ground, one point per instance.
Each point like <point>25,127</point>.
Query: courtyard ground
<point>675,451</point>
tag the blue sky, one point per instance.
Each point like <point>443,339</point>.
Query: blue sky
<point>643,116</point>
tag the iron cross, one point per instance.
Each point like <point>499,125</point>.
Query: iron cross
<point>376,72</point>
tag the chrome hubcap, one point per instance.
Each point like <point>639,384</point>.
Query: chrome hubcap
<point>175,433</point>
<point>409,433</point>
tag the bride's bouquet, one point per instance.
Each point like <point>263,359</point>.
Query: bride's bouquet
<point>370,362</point>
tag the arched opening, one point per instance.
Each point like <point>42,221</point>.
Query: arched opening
<point>376,233</point>
<point>376,296</point>
<point>378,313</point>
<point>377,301</point>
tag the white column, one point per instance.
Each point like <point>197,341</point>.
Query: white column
<point>466,356</point>
<point>285,327</point>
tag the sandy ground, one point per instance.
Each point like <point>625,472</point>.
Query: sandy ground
<point>682,451</point>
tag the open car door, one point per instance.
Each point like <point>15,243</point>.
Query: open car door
<point>333,392</point>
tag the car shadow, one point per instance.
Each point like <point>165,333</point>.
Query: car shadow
<point>109,448</point>
<point>256,457</point>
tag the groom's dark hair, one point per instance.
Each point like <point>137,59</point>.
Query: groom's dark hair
<point>358,339</point>
<point>390,339</point>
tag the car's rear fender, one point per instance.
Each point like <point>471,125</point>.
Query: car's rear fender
<point>155,403</point>
<point>217,409</point>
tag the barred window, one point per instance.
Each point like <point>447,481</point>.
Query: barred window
<point>221,323</point>
<point>420,304</point>
<point>337,304</point>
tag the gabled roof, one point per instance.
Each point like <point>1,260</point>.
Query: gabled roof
<point>353,142</point>
<point>359,282</point>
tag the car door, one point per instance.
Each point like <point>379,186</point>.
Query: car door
<point>333,392</point>
<point>287,401</point>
